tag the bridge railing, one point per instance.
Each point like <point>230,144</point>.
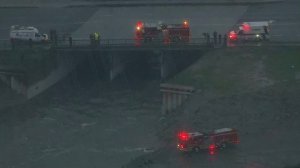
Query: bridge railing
<point>133,42</point>
<point>6,44</point>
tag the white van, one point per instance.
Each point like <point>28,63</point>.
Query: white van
<point>254,30</point>
<point>251,31</point>
<point>22,33</point>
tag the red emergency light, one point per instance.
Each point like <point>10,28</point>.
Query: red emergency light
<point>232,35</point>
<point>139,25</point>
<point>185,24</point>
<point>183,136</point>
<point>212,149</point>
<point>246,27</point>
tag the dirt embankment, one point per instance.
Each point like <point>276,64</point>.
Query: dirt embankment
<point>255,90</point>
<point>248,88</point>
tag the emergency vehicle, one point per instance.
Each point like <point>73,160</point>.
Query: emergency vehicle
<point>161,32</point>
<point>251,31</point>
<point>196,141</point>
<point>23,33</point>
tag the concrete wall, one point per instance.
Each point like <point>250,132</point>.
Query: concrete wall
<point>173,96</point>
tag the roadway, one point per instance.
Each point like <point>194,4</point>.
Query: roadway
<point>120,22</point>
<point>286,17</point>
<point>65,20</point>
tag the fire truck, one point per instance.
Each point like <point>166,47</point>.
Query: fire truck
<point>196,141</point>
<point>161,32</point>
<point>251,31</point>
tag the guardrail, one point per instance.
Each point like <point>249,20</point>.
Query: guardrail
<point>6,44</point>
<point>123,43</point>
<point>128,42</point>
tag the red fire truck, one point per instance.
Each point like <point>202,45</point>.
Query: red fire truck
<point>195,141</point>
<point>161,32</point>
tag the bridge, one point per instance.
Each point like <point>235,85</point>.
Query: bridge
<point>116,54</point>
<point>111,57</point>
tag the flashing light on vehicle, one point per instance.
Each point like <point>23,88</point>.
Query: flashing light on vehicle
<point>184,136</point>
<point>212,149</point>
<point>180,146</point>
<point>232,35</point>
<point>185,23</point>
<point>139,25</point>
<point>246,27</point>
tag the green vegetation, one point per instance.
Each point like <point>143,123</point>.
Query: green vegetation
<point>284,64</point>
<point>239,69</point>
<point>296,166</point>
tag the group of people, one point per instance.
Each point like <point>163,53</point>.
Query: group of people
<point>94,38</point>
<point>217,38</point>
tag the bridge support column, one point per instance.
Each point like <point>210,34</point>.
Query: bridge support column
<point>116,66</point>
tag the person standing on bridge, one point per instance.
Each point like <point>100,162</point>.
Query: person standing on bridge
<point>97,38</point>
<point>225,40</point>
<point>208,39</point>
<point>215,34</point>
<point>92,39</point>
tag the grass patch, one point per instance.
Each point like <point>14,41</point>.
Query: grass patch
<point>235,69</point>
<point>283,64</point>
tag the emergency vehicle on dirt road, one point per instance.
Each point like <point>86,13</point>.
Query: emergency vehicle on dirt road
<point>251,31</point>
<point>196,141</point>
<point>161,32</point>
